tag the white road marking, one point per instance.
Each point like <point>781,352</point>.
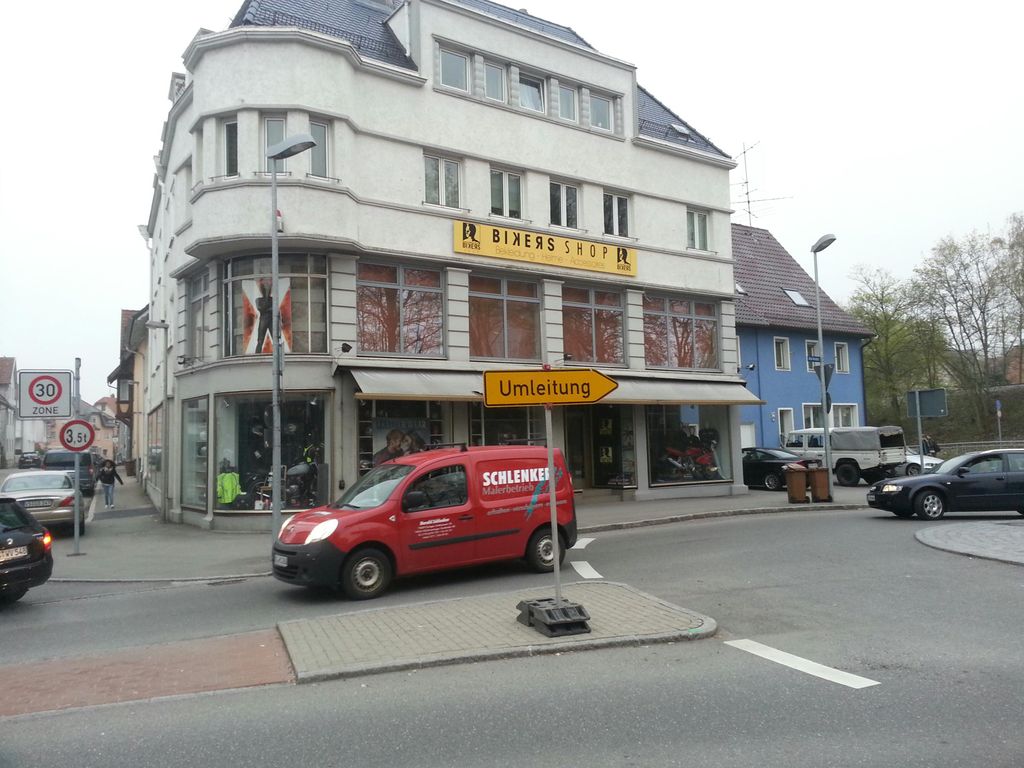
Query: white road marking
<point>91,513</point>
<point>801,665</point>
<point>581,544</point>
<point>585,569</point>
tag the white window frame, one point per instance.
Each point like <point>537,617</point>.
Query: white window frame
<point>810,409</point>
<point>787,362</point>
<point>447,52</point>
<point>524,78</point>
<point>697,230</point>
<point>842,352</point>
<point>574,100</point>
<point>224,144</point>
<point>506,185</point>
<point>610,128</point>
<point>563,204</point>
<point>444,165</point>
<point>786,424</point>
<point>618,202</point>
<point>321,149</point>
<point>490,67</point>
<point>810,345</point>
<point>268,142</point>
<point>850,409</point>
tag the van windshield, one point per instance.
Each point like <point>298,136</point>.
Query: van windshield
<point>374,488</point>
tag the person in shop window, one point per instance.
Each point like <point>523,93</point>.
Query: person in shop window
<point>392,447</point>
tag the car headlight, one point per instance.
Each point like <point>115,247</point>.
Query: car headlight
<point>322,531</point>
<point>890,488</point>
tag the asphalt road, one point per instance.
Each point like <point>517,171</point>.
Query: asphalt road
<point>937,633</point>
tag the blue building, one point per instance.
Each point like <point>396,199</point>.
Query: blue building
<point>776,324</point>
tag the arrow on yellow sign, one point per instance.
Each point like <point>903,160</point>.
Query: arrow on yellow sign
<point>576,386</point>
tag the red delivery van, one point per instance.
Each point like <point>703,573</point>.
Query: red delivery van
<point>444,507</point>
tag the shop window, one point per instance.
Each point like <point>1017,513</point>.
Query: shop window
<point>680,333</point>
<point>400,310</point>
<point>688,444</point>
<point>392,428</point>
<point>504,318</point>
<point>593,325</point>
<point>506,426</point>
<point>303,304</point>
<point>195,453</point>
<point>155,447</point>
<point>244,442</point>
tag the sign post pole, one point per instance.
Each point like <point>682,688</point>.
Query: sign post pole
<point>75,397</point>
<point>555,544</point>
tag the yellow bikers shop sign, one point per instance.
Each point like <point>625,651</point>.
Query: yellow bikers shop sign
<point>539,248</point>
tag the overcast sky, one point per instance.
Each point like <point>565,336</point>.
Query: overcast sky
<point>891,125</point>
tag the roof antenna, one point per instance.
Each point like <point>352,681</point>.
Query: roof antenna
<point>746,186</point>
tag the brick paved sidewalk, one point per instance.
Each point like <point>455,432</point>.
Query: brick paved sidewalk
<point>193,666</point>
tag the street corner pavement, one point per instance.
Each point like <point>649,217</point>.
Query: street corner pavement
<point>131,543</point>
<point>479,628</point>
<point>990,540</point>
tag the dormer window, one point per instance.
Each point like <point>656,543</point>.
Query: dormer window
<point>796,297</point>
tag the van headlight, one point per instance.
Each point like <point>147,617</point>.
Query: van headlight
<point>890,488</point>
<point>322,531</point>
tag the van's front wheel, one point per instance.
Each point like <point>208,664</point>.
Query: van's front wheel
<point>366,574</point>
<point>540,552</point>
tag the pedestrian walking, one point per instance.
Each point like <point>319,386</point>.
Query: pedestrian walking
<point>107,475</point>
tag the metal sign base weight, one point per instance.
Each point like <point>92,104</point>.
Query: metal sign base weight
<point>553,617</point>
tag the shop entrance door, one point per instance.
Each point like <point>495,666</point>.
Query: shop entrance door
<point>577,445</point>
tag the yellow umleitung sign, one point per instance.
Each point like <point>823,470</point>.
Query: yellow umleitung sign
<point>554,250</point>
<point>576,386</point>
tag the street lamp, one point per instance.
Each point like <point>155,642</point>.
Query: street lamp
<point>160,325</point>
<point>823,242</point>
<point>291,145</point>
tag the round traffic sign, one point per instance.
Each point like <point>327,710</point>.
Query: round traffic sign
<point>77,435</point>
<point>45,390</point>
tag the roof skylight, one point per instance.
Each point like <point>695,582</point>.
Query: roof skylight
<point>796,297</point>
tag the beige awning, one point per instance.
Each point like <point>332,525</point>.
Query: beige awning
<point>390,384</point>
<point>387,384</point>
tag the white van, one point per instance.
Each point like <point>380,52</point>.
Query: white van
<point>857,452</point>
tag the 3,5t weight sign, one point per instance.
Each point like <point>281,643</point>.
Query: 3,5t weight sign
<point>77,435</point>
<point>44,394</point>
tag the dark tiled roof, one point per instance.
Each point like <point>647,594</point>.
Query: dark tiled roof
<point>359,23</point>
<point>6,370</point>
<point>763,268</point>
<point>364,27</point>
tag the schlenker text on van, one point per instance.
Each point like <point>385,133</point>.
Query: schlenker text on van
<point>871,453</point>
<point>446,507</point>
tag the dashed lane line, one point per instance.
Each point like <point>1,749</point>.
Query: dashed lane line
<point>801,664</point>
<point>585,569</point>
<point>581,543</point>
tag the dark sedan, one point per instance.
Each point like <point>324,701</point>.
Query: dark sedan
<point>986,481</point>
<point>25,557</point>
<point>765,467</point>
<point>28,460</point>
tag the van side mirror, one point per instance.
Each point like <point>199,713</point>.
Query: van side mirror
<point>414,500</point>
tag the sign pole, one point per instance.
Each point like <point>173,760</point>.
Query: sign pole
<point>550,439</point>
<point>75,399</point>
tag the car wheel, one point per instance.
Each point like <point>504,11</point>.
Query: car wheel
<point>773,481</point>
<point>366,574</point>
<point>12,596</point>
<point>930,505</point>
<point>539,554</point>
<point>847,474</point>
<point>913,469</point>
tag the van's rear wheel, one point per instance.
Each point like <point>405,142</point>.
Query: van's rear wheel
<point>540,552</point>
<point>366,574</point>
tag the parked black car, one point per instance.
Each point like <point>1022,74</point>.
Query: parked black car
<point>985,481</point>
<point>28,460</point>
<point>765,467</point>
<point>25,557</point>
<point>65,460</point>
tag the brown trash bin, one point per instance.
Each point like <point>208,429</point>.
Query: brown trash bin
<point>796,483</point>
<point>129,467</point>
<point>817,479</point>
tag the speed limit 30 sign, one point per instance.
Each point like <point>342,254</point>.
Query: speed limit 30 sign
<point>44,394</point>
<point>77,435</point>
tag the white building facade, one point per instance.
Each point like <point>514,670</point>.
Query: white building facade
<point>488,192</point>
